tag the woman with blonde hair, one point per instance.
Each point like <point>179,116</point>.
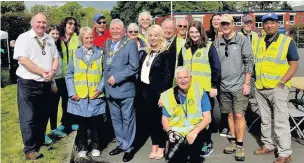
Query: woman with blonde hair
<point>85,85</point>
<point>155,75</point>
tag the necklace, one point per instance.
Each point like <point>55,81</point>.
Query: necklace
<point>150,56</point>
<point>42,45</point>
<point>111,54</point>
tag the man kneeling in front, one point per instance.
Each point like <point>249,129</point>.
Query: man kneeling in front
<point>186,115</point>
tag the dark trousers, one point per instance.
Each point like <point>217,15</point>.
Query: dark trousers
<point>185,150</point>
<point>33,100</point>
<point>153,114</point>
<point>212,125</point>
<point>54,102</point>
<point>95,125</point>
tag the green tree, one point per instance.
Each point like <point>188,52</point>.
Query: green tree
<point>73,9</point>
<point>285,6</point>
<point>264,5</point>
<point>47,10</point>
<point>87,16</point>
<point>128,11</point>
<point>12,6</point>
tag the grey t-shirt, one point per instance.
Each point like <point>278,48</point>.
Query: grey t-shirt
<point>236,59</point>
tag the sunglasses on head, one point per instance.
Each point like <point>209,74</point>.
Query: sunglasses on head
<point>71,23</point>
<point>133,31</point>
<point>182,26</point>
<point>101,22</point>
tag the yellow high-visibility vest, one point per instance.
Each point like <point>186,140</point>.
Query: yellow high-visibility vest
<point>254,40</point>
<point>178,120</point>
<point>145,39</point>
<point>199,66</point>
<point>271,64</point>
<point>67,52</point>
<point>87,77</point>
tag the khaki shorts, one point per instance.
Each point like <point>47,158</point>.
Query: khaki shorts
<point>234,102</point>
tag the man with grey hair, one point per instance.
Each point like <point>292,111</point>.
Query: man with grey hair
<point>174,43</point>
<point>121,62</point>
<point>144,20</point>
<point>38,62</point>
<point>186,114</point>
<point>182,27</point>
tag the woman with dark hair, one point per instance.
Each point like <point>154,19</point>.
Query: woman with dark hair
<point>69,43</point>
<point>57,89</point>
<point>200,56</point>
<point>214,30</point>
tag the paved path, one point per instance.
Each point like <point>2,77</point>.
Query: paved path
<point>218,156</point>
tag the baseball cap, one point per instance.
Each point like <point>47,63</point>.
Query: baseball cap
<point>226,18</point>
<point>98,16</point>
<point>269,16</point>
<point>247,18</point>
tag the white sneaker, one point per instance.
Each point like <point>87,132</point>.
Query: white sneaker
<point>95,153</point>
<point>224,132</point>
<point>82,154</point>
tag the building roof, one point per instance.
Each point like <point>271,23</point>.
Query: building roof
<point>298,8</point>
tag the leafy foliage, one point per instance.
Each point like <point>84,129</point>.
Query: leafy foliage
<point>15,6</point>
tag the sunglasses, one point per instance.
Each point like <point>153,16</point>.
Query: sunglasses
<point>226,50</point>
<point>101,22</point>
<point>71,23</point>
<point>225,24</point>
<point>180,26</point>
<point>133,32</point>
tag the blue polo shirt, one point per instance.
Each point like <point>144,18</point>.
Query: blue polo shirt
<point>205,103</point>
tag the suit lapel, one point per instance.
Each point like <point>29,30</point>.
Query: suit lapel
<point>120,43</point>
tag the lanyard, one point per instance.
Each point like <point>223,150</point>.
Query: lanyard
<point>42,45</point>
<point>184,106</point>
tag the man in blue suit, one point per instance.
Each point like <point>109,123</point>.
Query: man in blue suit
<point>121,62</point>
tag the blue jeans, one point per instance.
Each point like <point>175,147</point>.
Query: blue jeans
<point>33,100</point>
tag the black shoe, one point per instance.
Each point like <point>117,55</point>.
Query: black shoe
<point>128,156</point>
<point>116,151</point>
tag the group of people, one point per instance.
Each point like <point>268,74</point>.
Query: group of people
<point>168,74</point>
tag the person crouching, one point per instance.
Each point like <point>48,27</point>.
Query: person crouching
<point>85,85</point>
<point>186,115</point>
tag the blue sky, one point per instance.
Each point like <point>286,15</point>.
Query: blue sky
<point>105,5</point>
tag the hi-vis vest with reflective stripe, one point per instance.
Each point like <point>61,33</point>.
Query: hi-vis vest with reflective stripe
<point>199,66</point>
<point>271,64</point>
<point>72,46</point>
<point>254,41</point>
<point>178,121</point>
<point>145,39</point>
<point>87,77</point>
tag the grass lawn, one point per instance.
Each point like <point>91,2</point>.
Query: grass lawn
<point>11,141</point>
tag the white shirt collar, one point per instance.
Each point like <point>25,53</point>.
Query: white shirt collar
<point>33,34</point>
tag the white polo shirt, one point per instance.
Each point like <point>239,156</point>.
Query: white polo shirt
<point>27,46</point>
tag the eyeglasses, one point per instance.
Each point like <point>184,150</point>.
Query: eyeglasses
<point>71,23</point>
<point>133,32</point>
<point>101,22</point>
<point>180,26</point>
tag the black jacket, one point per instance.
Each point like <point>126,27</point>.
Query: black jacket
<point>161,72</point>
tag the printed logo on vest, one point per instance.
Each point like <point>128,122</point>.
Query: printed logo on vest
<point>198,54</point>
